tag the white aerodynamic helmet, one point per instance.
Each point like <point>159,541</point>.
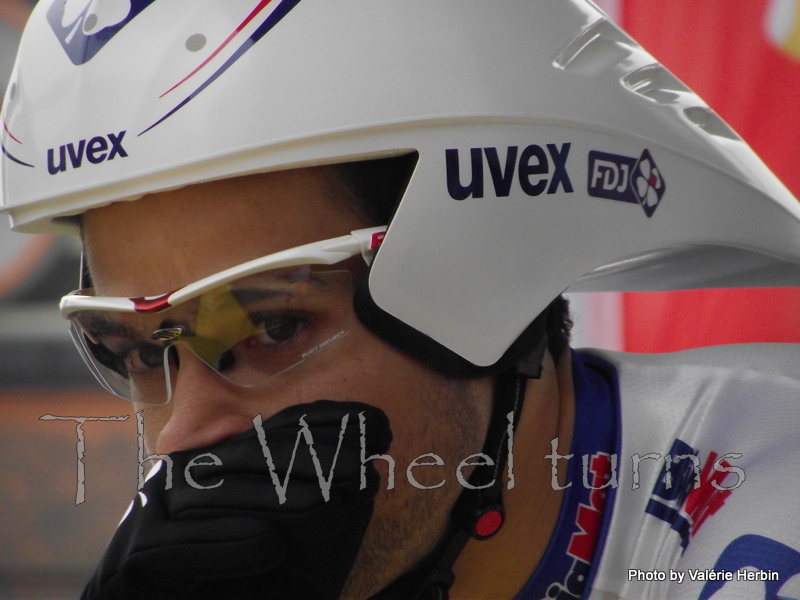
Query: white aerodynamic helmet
<point>553,152</point>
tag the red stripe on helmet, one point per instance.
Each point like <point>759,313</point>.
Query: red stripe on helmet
<point>261,6</point>
<point>11,135</point>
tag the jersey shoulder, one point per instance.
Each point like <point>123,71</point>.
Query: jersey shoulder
<point>737,410</point>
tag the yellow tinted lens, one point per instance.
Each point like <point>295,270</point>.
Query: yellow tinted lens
<point>262,325</point>
<point>248,331</point>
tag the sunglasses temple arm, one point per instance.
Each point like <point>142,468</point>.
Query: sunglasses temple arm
<point>369,241</point>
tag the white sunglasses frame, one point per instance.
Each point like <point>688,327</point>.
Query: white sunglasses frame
<point>326,252</point>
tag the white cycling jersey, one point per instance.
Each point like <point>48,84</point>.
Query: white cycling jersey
<point>727,416</point>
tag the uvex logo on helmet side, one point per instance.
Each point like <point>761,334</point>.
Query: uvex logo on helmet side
<point>531,167</point>
<point>96,150</point>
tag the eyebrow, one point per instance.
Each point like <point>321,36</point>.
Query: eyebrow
<point>248,295</point>
<point>103,327</point>
<point>255,294</point>
<point>100,328</point>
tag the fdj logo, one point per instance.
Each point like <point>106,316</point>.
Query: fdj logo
<point>626,179</point>
<point>96,150</point>
<point>531,167</point>
<point>83,27</point>
<point>692,495</point>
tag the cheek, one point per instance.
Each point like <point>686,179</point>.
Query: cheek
<point>429,415</point>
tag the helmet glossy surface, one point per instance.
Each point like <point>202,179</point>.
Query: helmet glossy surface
<point>554,153</point>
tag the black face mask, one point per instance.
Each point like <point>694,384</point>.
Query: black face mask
<point>243,529</point>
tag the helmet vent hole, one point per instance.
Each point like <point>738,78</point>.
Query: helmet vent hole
<point>708,121</point>
<point>195,42</point>
<point>90,23</point>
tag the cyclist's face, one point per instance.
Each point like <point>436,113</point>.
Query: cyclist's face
<point>164,241</point>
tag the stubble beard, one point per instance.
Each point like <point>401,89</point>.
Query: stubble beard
<point>409,522</point>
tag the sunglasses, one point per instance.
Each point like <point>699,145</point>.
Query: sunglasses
<point>248,323</point>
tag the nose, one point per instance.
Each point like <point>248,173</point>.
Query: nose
<point>204,407</point>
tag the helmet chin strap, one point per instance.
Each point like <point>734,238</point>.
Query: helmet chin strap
<point>478,513</point>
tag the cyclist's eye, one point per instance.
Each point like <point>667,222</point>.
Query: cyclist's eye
<point>107,357</point>
<point>144,357</point>
<point>279,329</point>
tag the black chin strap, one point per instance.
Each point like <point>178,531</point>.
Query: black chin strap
<point>478,512</point>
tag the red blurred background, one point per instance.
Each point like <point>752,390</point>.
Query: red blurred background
<point>743,58</point>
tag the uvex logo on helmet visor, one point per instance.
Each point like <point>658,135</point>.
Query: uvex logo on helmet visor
<point>531,167</point>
